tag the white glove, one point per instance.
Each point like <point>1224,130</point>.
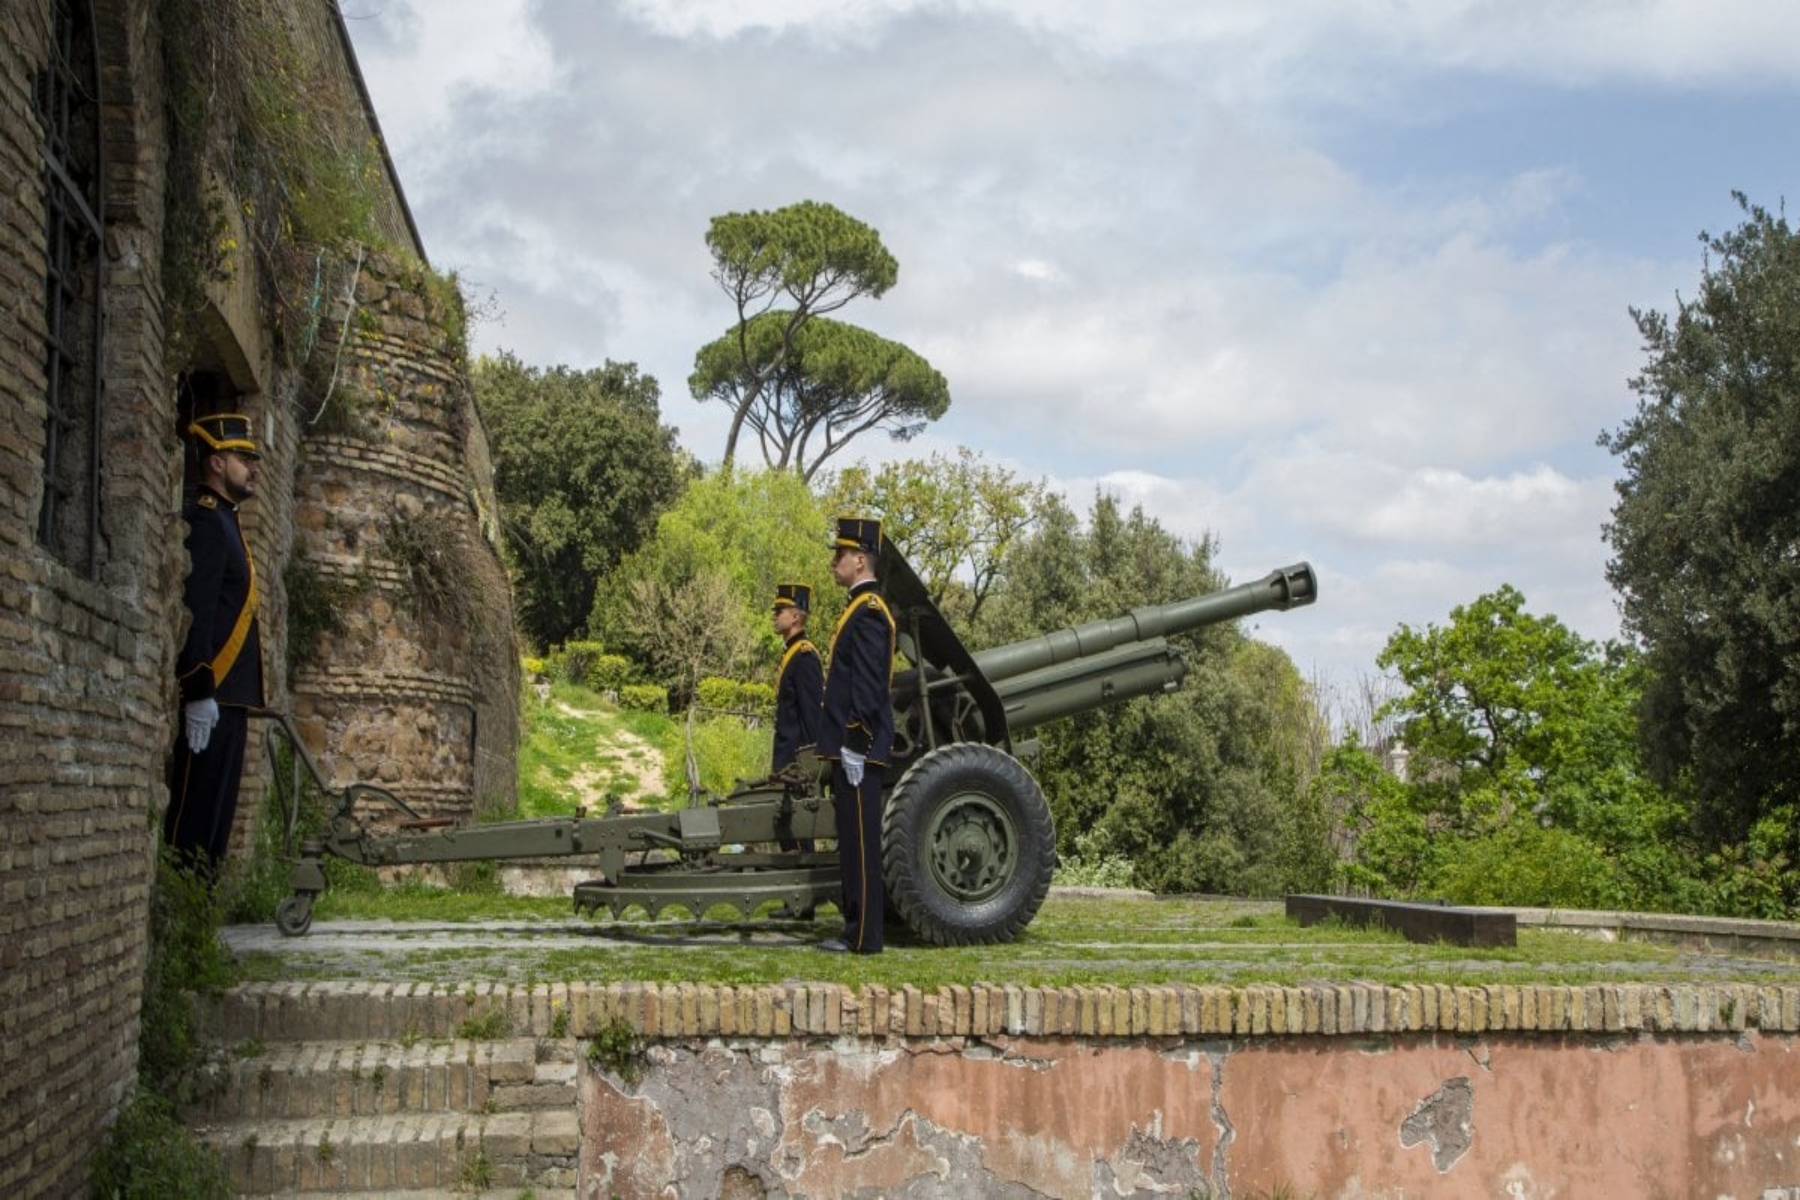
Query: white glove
<point>202,715</point>
<point>853,766</point>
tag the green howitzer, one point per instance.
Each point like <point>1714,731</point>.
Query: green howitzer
<point>968,845</point>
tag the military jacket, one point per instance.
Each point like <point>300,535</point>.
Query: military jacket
<point>799,685</point>
<point>858,709</point>
<point>222,654</point>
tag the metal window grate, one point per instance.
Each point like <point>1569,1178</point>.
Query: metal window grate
<point>68,103</point>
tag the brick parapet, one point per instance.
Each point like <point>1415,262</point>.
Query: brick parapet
<point>956,1012</point>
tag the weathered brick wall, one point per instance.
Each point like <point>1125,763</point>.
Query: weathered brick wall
<point>84,705</point>
<point>87,701</point>
<point>1342,1090</point>
<point>418,690</point>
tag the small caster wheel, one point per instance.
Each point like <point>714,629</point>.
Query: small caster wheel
<point>293,916</point>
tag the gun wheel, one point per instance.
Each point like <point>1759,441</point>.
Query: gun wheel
<point>293,916</point>
<point>967,846</point>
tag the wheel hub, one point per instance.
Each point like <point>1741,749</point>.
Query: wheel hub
<point>972,842</point>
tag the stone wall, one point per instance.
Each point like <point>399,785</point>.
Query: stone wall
<point>85,714</point>
<point>87,700</point>
<point>418,689</point>
<point>1351,1090</point>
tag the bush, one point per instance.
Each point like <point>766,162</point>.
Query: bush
<point>185,957</point>
<point>736,696</point>
<point>1527,864</point>
<point>1094,864</point>
<point>572,661</point>
<point>149,1153</point>
<point>587,664</point>
<point>610,672</point>
<point>644,697</point>
<point>725,753</point>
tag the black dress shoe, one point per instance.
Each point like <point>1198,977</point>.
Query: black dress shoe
<point>835,946</point>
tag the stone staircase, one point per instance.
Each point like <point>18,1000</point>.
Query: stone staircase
<point>354,1093</point>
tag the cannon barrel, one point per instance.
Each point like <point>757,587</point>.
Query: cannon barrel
<point>1110,677</point>
<point>1285,588</point>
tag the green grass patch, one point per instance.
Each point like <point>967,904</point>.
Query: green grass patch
<point>1075,940</point>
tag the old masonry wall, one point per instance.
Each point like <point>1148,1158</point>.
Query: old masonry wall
<point>1324,1091</point>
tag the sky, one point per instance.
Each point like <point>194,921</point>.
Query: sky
<point>1350,281</point>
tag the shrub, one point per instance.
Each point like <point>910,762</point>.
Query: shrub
<point>573,661</point>
<point>644,697</point>
<point>588,665</point>
<point>724,753</point>
<point>1095,863</point>
<point>149,1153</point>
<point>185,957</point>
<point>736,696</point>
<point>1525,863</point>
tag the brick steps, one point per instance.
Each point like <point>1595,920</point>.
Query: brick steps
<point>399,1153</point>
<point>361,1079</point>
<point>292,1112</point>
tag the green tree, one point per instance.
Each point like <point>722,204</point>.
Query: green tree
<point>695,598</point>
<point>582,467</point>
<point>1706,532</point>
<point>956,519</point>
<point>816,387</point>
<point>782,269</point>
<point>1516,726</point>
<point>1204,789</point>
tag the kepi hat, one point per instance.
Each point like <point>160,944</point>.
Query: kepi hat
<point>793,595</point>
<point>225,431</point>
<point>858,533</point>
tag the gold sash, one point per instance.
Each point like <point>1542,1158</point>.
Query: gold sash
<point>228,653</point>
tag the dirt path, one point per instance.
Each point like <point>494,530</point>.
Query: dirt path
<point>624,766</point>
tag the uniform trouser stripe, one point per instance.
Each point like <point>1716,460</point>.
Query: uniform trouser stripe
<point>858,809</point>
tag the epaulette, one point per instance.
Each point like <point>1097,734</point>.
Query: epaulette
<point>208,500</point>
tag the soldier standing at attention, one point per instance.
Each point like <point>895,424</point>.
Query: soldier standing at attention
<point>799,684</point>
<point>856,732</point>
<point>219,668</point>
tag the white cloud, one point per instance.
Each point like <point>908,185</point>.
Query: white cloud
<point>1242,263</point>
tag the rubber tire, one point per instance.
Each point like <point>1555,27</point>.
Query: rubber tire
<point>986,799</point>
<point>293,916</point>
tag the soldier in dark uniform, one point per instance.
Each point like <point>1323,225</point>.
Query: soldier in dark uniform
<point>856,732</point>
<point>799,683</point>
<point>219,668</point>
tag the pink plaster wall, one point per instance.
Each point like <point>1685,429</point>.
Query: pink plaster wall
<point>1529,1115</point>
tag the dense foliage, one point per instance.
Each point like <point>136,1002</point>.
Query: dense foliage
<point>582,468</point>
<point>1523,779</point>
<point>694,599</point>
<point>1706,534</point>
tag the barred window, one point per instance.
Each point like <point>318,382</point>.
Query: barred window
<point>68,104</point>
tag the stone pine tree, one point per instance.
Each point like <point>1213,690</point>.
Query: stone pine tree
<point>1706,533</point>
<point>803,385</point>
<point>816,387</point>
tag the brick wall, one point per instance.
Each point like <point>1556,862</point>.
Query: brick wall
<point>418,691</point>
<point>87,701</point>
<point>84,707</point>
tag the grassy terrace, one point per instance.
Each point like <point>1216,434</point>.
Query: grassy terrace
<point>422,934</point>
